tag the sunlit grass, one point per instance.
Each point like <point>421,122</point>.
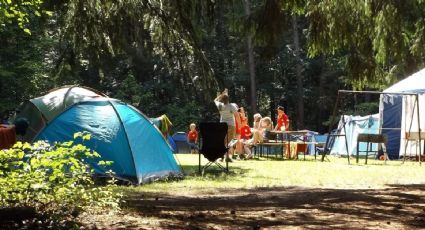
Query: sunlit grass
<point>335,173</point>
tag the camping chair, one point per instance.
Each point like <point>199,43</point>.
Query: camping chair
<point>327,147</point>
<point>319,142</point>
<point>212,144</point>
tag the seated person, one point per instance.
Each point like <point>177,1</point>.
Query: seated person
<point>257,119</point>
<point>245,133</point>
<point>256,129</point>
<point>282,123</point>
<point>239,120</point>
<point>265,124</point>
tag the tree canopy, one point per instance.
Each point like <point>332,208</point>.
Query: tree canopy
<point>174,56</point>
<point>13,11</point>
<point>380,40</point>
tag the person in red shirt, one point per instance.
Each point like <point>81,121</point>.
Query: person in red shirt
<point>192,138</point>
<point>244,132</point>
<point>282,123</point>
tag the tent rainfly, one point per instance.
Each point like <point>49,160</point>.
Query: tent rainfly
<point>42,110</point>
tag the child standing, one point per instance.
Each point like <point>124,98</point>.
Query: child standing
<point>192,138</point>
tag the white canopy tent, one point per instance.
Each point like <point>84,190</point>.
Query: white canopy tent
<point>399,115</point>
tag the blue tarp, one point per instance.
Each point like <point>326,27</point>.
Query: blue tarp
<point>355,125</point>
<point>119,133</point>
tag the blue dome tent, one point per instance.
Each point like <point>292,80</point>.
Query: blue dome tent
<point>119,133</point>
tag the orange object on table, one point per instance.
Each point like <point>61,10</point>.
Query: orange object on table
<point>291,152</point>
<point>7,136</point>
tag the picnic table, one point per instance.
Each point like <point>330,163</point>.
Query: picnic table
<point>291,147</point>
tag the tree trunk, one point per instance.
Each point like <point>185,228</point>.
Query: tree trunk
<point>322,101</point>
<point>220,43</point>
<point>251,64</point>
<point>300,89</point>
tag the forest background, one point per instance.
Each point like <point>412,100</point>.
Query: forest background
<point>172,57</point>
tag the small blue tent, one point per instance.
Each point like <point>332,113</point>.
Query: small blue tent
<point>180,138</point>
<point>119,133</point>
<point>398,113</point>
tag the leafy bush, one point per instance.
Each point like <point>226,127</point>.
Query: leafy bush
<point>182,115</point>
<point>55,181</point>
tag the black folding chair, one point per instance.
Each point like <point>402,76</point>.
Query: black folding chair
<point>212,135</point>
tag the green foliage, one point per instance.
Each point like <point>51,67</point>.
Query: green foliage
<point>145,33</point>
<point>130,91</point>
<point>169,57</point>
<point>378,38</point>
<point>365,108</point>
<point>20,12</point>
<point>183,115</point>
<point>24,65</point>
<point>348,107</point>
<point>55,180</point>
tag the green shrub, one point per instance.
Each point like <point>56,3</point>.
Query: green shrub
<point>54,181</point>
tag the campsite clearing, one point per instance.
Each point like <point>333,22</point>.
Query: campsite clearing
<point>277,194</point>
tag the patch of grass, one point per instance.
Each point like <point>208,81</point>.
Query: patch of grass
<point>336,173</point>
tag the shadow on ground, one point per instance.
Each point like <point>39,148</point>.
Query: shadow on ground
<point>214,171</point>
<point>396,207</point>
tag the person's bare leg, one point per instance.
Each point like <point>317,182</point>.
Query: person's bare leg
<point>248,152</point>
<point>230,152</point>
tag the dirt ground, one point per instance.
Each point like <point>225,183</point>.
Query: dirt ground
<point>395,207</point>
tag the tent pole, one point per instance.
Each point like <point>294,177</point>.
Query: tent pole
<point>128,139</point>
<point>330,127</point>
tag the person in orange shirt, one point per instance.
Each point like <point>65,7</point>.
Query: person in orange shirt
<point>192,138</point>
<point>282,120</point>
